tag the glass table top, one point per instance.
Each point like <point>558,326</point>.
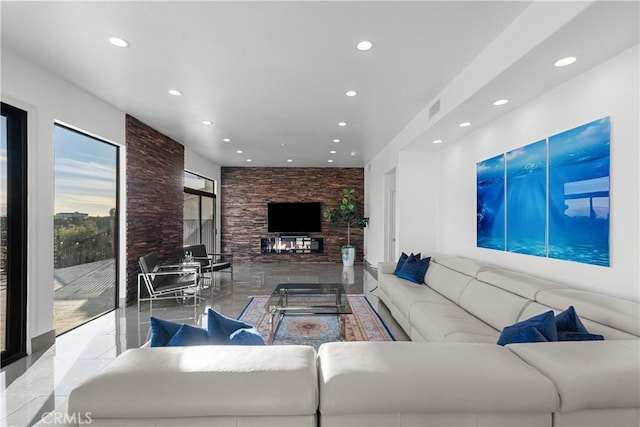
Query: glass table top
<point>311,298</point>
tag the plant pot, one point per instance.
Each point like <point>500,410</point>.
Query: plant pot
<point>348,256</point>
<point>348,276</point>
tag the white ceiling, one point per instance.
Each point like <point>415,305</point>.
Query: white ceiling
<point>600,32</point>
<point>270,75</point>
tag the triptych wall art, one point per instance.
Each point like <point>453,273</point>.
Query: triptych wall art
<point>549,198</point>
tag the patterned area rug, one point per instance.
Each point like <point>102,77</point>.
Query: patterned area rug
<point>363,325</point>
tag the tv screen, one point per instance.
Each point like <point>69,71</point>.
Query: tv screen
<point>294,217</point>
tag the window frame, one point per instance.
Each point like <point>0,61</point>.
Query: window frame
<point>116,228</point>
<point>201,194</point>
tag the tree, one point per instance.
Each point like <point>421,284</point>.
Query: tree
<point>347,213</point>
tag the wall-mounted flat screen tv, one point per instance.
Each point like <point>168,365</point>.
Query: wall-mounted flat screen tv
<point>303,217</point>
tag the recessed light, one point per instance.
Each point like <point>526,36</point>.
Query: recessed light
<point>364,45</point>
<point>226,139</point>
<point>239,151</point>
<point>330,161</point>
<point>351,93</point>
<point>437,141</point>
<point>118,42</point>
<point>249,160</point>
<point>289,160</point>
<point>501,102</point>
<point>336,140</point>
<point>207,122</point>
<point>342,124</point>
<point>332,152</point>
<point>283,145</point>
<point>174,92</point>
<point>565,61</point>
<point>353,153</point>
<point>465,124</point>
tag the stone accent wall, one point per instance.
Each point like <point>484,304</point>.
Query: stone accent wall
<point>245,193</point>
<point>155,165</point>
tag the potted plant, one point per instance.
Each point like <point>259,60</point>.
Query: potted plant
<point>347,213</point>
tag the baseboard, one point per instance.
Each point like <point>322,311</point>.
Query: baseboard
<point>43,341</point>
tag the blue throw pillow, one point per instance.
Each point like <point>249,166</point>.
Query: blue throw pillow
<point>568,321</point>
<point>571,328</point>
<point>220,327</point>
<point>578,336</point>
<point>189,335</point>
<point>544,323</point>
<point>414,269</point>
<point>245,336</point>
<point>520,334</point>
<point>403,258</point>
<point>162,331</point>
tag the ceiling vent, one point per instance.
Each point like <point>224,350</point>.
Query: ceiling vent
<point>433,110</point>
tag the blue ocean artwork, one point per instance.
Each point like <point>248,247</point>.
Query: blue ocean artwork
<point>527,199</point>
<point>490,204</point>
<point>579,168</point>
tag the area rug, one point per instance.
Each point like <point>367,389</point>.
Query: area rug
<point>364,324</point>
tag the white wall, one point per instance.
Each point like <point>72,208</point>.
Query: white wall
<point>375,205</point>
<point>417,202</point>
<point>194,162</point>
<point>610,89</point>
<point>48,98</point>
<point>534,25</point>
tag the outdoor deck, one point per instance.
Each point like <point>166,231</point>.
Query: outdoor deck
<point>82,292</point>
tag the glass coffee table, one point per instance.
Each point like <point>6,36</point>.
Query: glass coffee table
<point>306,299</point>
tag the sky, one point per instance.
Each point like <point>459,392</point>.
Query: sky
<point>85,173</point>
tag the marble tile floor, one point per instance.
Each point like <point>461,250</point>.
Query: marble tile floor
<point>40,382</point>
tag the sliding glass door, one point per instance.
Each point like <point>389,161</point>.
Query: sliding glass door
<point>199,211</point>
<point>13,233</point>
<point>208,222</point>
<point>85,228</point>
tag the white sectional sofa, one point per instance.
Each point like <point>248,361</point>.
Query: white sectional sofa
<point>199,386</point>
<point>431,384</point>
<point>463,301</point>
<point>452,374</point>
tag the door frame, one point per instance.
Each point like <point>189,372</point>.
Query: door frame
<point>200,195</point>
<point>16,310</point>
<point>390,214</point>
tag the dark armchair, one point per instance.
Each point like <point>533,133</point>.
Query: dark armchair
<point>166,282</point>
<point>209,262</point>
